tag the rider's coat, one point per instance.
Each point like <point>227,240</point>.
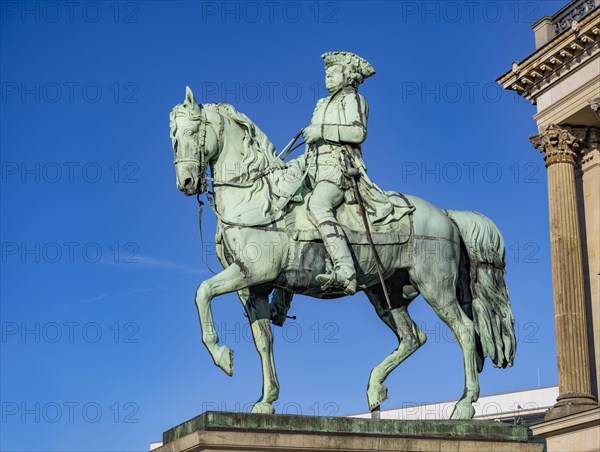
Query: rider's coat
<point>343,122</point>
<point>342,119</point>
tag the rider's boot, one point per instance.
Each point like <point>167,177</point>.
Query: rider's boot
<point>343,275</point>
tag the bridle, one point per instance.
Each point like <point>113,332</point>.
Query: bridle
<point>200,160</point>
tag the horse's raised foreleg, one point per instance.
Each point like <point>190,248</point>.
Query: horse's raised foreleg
<point>228,280</point>
<point>259,315</point>
<point>409,335</point>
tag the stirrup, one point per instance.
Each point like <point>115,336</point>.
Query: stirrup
<point>336,280</point>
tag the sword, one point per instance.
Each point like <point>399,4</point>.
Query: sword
<point>353,173</point>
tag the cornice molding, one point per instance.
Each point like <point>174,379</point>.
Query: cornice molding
<point>543,67</point>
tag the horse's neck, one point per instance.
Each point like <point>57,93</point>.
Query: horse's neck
<point>235,191</point>
<point>227,166</point>
<point>234,162</point>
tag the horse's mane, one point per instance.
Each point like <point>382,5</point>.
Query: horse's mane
<point>259,152</point>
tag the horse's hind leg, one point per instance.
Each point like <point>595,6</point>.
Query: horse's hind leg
<point>438,287</point>
<point>259,315</point>
<point>409,335</point>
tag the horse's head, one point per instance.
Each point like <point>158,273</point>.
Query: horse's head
<point>192,150</point>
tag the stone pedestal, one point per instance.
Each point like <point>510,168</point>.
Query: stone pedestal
<point>223,431</point>
<point>578,432</point>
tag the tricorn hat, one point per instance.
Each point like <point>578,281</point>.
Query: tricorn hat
<point>350,60</point>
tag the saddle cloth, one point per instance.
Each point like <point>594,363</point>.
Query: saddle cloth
<point>301,228</point>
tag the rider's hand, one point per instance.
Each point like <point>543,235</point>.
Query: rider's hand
<point>311,133</point>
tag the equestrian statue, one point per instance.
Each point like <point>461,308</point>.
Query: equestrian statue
<point>319,226</point>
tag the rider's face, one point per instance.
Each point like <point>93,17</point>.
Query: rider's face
<point>334,78</point>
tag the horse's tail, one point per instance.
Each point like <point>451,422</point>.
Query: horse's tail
<point>482,291</point>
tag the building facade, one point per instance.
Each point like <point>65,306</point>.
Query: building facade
<point>562,78</point>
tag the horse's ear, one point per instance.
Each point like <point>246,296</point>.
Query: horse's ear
<point>189,97</point>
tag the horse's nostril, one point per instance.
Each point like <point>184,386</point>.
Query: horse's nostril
<point>187,182</point>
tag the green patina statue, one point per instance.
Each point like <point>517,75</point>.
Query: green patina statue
<point>336,131</point>
<point>318,226</point>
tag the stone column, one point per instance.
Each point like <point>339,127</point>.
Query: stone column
<point>588,185</point>
<point>560,148</point>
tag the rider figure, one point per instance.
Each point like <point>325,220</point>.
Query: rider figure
<point>334,135</point>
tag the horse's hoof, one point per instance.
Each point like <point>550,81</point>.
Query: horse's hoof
<point>263,408</point>
<point>376,394</point>
<point>463,410</point>
<point>224,359</point>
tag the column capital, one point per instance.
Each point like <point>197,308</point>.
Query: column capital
<point>590,149</point>
<point>595,105</point>
<point>560,144</point>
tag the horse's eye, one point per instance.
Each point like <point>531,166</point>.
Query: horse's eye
<point>189,132</point>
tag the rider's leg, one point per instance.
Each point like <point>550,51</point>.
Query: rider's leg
<point>325,198</point>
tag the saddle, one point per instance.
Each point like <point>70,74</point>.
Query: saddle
<point>397,231</point>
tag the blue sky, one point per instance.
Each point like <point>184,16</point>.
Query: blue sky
<point>100,346</point>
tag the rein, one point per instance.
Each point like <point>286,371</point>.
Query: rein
<point>288,149</point>
<point>200,204</point>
